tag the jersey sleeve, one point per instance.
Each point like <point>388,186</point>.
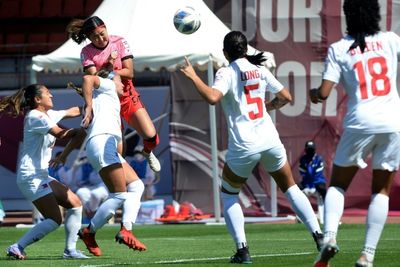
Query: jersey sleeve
<point>86,59</point>
<point>124,49</point>
<point>40,123</point>
<point>396,43</point>
<point>332,68</point>
<point>273,85</point>
<point>57,115</point>
<point>222,80</point>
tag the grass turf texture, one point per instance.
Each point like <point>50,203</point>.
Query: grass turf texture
<point>206,245</point>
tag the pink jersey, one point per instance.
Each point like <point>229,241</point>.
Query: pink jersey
<point>118,47</point>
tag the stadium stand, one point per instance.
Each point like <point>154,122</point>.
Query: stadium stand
<point>9,8</point>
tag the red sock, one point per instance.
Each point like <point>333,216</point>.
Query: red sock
<point>151,143</point>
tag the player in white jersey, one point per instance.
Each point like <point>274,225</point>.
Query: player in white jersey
<point>44,191</point>
<point>365,60</point>
<point>103,124</point>
<point>253,138</point>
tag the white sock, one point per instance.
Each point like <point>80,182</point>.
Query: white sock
<point>107,210</point>
<point>38,232</point>
<point>132,206</point>
<point>377,215</point>
<point>302,207</point>
<point>234,219</point>
<point>72,223</point>
<point>334,206</point>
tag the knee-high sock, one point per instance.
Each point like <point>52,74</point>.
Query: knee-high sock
<point>234,219</point>
<point>72,223</point>
<point>107,210</point>
<point>302,207</point>
<point>334,206</point>
<point>377,215</point>
<point>38,232</point>
<point>132,205</point>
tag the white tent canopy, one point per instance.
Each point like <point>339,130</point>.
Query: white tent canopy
<point>148,27</point>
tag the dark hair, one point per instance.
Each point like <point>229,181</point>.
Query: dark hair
<point>78,29</point>
<point>362,19</point>
<point>23,98</point>
<point>235,45</point>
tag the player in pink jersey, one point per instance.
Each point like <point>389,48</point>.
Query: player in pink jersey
<point>113,53</point>
<point>365,61</point>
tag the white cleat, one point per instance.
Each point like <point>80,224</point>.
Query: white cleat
<point>74,254</point>
<point>363,262</point>
<point>153,161</point>
<point>16,252</point>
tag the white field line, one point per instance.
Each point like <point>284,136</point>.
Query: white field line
<point>222,258</point>
<point>198,259</point>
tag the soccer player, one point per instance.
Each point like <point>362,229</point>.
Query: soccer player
<point>113,53</point>
<point>45,192</point>
<point>103,123</point>
<point>365,60</point>
<point>253,138</point>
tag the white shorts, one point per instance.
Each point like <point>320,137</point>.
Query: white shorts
<point>272,160</point>
<point>354,149</point>
<point>35,186</point>
<point>102,151</point>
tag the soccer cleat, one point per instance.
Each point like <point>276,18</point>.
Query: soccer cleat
<point>328,251</point>
<point>16,252</point>
<point>319,240</point>
<point>242,256</point>
<point>363,262</point>
<point>154,163</point>
<point>74,254</point>
<point>90,241</point>
<point>127,238</point>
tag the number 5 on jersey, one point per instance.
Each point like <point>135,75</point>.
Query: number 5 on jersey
<point>254,100</point>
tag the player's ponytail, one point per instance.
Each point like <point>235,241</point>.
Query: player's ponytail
<point>256,59</point>
<point>78,30</point>
<point>74,30</point>
<point>24,98</point>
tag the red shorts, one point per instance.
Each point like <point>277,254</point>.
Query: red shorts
<point>130,101</point>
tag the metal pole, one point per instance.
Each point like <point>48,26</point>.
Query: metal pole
<point>274,196</point>
<point>214,148</point>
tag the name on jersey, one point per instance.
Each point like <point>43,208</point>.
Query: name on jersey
<point>249,75</point>
<point>370,46</point>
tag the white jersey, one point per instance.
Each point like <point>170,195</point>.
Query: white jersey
<point>106,108</point>
<point>37,142</point>
<point>369,79</point>
<point>244,86</point>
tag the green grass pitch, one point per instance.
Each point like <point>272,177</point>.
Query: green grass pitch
<point>206,245</point>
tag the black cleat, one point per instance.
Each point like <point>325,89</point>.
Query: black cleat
<point>319,239</point>
<point>242,256</point>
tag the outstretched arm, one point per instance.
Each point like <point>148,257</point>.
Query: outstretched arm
<point>211,95</point>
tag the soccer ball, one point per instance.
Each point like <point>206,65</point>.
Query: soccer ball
<point>187,20</point>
